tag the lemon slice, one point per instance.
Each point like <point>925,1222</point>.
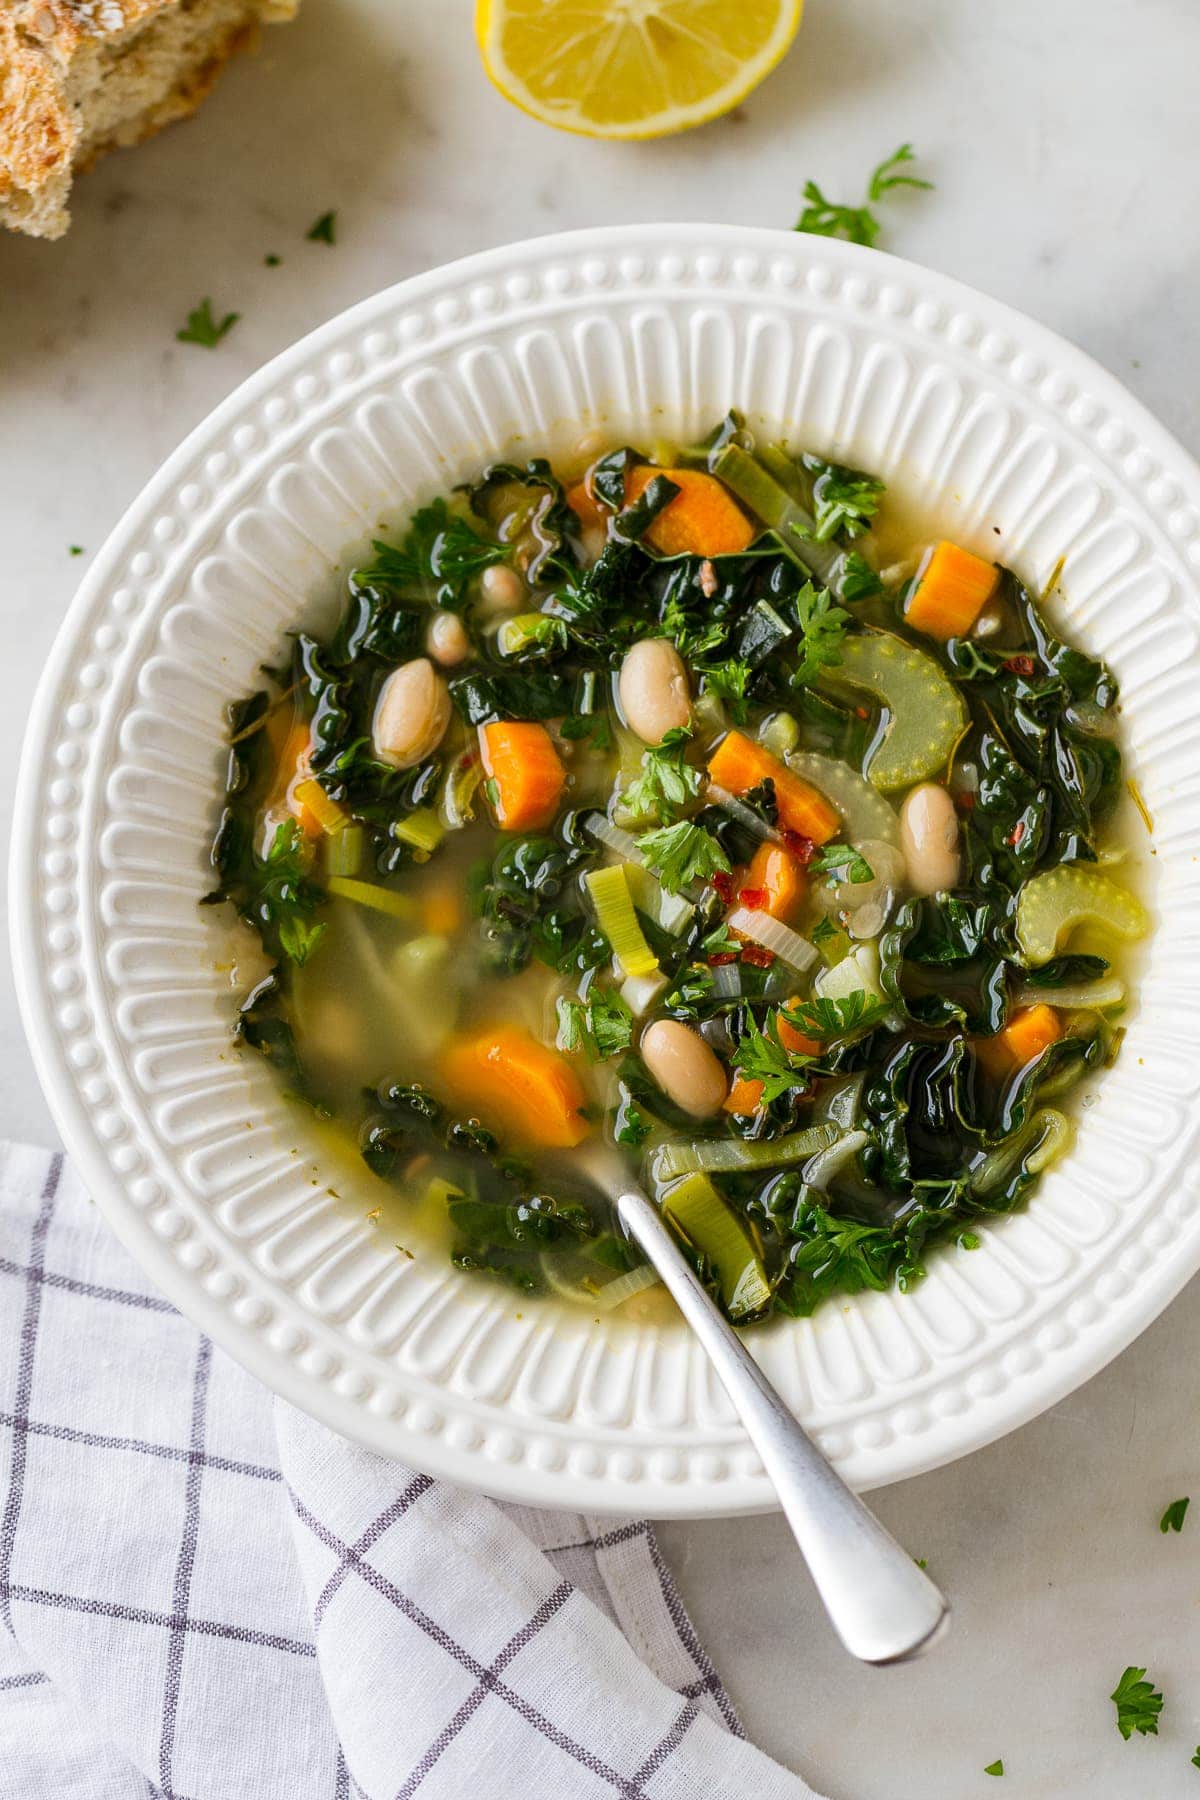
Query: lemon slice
<point>631,68</point>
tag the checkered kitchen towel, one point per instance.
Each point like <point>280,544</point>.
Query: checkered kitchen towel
<point>204,1595</point>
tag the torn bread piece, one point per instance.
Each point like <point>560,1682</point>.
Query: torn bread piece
<point>79,77</point>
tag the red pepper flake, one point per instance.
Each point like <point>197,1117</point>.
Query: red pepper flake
<point>757,956</point>
<point>723,882</point>
<point>802,848</point>
<point>860,712</point>
<point>755,898</point>
<point>965,802</point>
<point>1017,833</point>
<point>467,760</point>
<point>722,957</point>
<point>1020,665</point>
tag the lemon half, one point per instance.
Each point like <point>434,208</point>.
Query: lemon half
<point>631,68</point>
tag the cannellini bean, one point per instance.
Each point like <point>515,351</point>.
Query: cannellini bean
<point>686,1070</point>
<point>653,687</point>
<point>411,714</point>
<point>929,838</point>
<point>501,589</point>
<point>447,640</point>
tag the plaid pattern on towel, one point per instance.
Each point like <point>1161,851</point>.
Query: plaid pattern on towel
<point>204,1595</point>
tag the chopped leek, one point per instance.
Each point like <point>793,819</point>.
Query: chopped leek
<point>1108,990</point>
<point>730,1156</point>
<point>925,713</point>
<point>331,817</point>
<point>379,899</point>
<point>422,829</point>
<point>827,1163</point>
<point>694,1206</point>
<point>345,850</point>
<point>670,912</point>
<point>770,502</point>
<point>1051,905</point>
<point>857,973</point>
<point>573,1275</point>
<point>1040,1141</point>
<point>456,802</point>
<point>779,939</point>
<point>609,890</point>
<point>639,992</point>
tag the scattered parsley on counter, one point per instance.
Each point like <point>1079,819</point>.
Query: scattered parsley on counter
<point>203,329</point>
<point>1138,1704</point>
<point>75,550</point>
<point>322,230</point>
<point>1172,1519</point>
<point>272,261</point>
<point>825,218</point>
<point>1196,1758</point>
<point>996,1768</point>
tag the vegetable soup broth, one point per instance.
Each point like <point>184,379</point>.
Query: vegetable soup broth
<point>715,813</point>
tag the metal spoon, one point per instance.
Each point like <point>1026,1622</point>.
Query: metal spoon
<point>882,1606</point>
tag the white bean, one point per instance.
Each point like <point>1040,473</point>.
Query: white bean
<point>447,639</point>
<point>686,1070</point>
<point>411,714</point>
<point>929,838</point>
<point>653,687</point>
<point>501,589</point>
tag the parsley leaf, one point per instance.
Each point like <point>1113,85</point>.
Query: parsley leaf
<point>826,218</point>
<point>822,1018</point>
<point>727,680</point>
<point>600,1026</point>
<point>439,547</point>
<point>842,862</point>
<point>1138,1704</point>
<point>321,231</point>
<point>721,942</point>
<point>692,640</point>
<point>633,1127</point>
<point>74,549</point>
<point>759,1056</point>
<point>287,897</point>
<point>1172,1519</point>
<point>683,853</point>
<point>823,930</point>
<point>666,783</point>
<point>203,329</point>
<point>996,1768</point>
<point>593,728</point>
<point>859,580</point>
<point>1196,1758</point>
<point>844,500</point>
<point>822,628</point>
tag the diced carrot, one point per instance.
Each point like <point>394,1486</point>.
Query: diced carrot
<point>522,1088</point>
<point>441,911</point>
<point>776,876</point>
<point>744,1096</point>
<point>520,758</point>
<point>738,764</point>
<point>702,520</point>
<point>798,1043</point>
<point>292,773</point>
<point>954,588</point>
<point>1029,1031</point>
<point>584,505</point>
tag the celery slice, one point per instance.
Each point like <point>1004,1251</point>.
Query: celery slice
<point>925,714</point>
<point>370,894</point>
<point>746,477</point>
<point>345,850</point>
<point>1049,906</point>
<point>422,829</point>
<point>865,812</point>
<point>730,1156</point>
<point>609,889</point>
<point>696,1208</point>
<point>780,734</point>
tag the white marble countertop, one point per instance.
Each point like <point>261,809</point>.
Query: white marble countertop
<point>1063,138</point>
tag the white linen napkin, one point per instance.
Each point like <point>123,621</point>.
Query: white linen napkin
<point>204,1595</point>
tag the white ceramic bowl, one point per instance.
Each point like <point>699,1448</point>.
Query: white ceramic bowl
<point>967,408</point>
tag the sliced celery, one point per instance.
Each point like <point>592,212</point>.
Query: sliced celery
<point>828,1163</point>
<point>924,713</point>
<point>779,734</point>
<point>696,1208</point>
<point>369,893</point>
<point>865,812</point>
<point>777,462</point>
<point>746,477</point>
<point>609,889</point>
<point>346,850</point>
<point>729,1156</point>
<point>422,829</point>
<point>1049,906</point>
<point>574,1275</point>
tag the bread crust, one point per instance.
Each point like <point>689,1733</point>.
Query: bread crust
<point>81,77</point>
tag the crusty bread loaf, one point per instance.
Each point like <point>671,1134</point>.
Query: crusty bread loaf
<point>79,77</point>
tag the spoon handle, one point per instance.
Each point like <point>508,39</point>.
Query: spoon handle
<point>880,1603</point>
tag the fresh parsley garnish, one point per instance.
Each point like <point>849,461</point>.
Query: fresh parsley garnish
<point>996,1768</point>
<point>288,897</point>
<point>666,783</point>
<point>633,1127</point>
<point>683,853</point>
<point>593,728</point>
<point>202,328</point>
<point>692,640</point>
<point>600,1026</point>
<point>842,862</point>
<point>824,930</point>
<point>1172,1519</point>
<point>74,549</point>
<point>1138,1703</point>
<point>822,628</point>
<point>859,581</point>
<point>759,1056</point>
<point>1196,1757</point>
<point>823,1018</point>
<point>439,548</point>
<point>727,680</point>
<point>845,501</point>
<point>825,218</point>
<point>322,230</point>
<point>271,260</point>
<point>721,942</point>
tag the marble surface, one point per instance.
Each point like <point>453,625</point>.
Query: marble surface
<point>1063,138</point>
